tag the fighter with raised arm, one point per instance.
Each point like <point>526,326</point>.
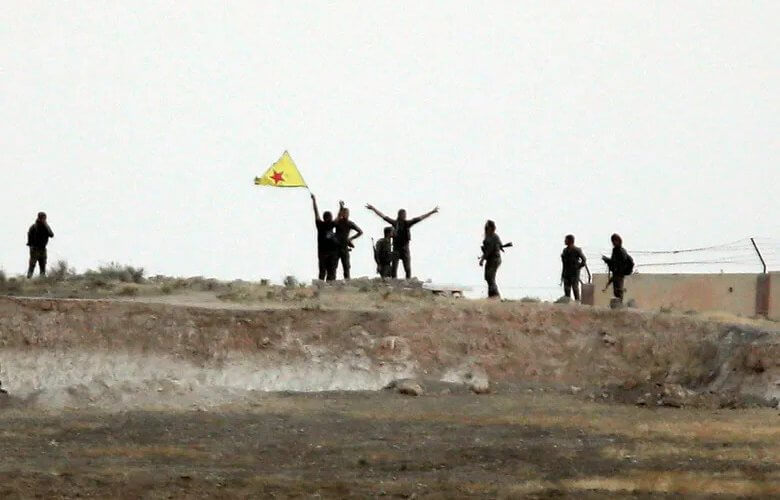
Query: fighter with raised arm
<point>327,247</point>
<point>402,237</point>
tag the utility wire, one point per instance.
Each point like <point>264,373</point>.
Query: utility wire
<point>690,250</point>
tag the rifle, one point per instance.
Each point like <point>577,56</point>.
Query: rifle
<point>610,279</point>
<point>505,245</point>
<point>376,256</point>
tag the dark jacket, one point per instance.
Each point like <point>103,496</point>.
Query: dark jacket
<point>383,253</point>
<point>491,248</point>
<point>573,260</point>
<point>38,235</point>
<point>617,262</point>
<point>343,228</point>
<point>403,234</point>
<point>326,237</point>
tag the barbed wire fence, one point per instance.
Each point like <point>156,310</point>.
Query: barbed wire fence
<point>745,255</point>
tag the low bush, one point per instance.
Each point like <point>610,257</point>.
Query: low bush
<point>13,285</point>
<point>60,272</point>
<point>117,272</point>
<point>128,291</point>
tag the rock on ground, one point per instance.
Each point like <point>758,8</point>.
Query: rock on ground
<point>408,387</point>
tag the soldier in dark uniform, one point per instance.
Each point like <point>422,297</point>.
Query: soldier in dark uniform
<point>327,247</point>
<point>617,264</point>
<point>402,237</point>
<point>37,238</point>
<point>383,254</point>
<point>343,228</point>
<point>573,260</point>
<point>491,258</point>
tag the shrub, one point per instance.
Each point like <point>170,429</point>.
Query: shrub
<point>60,271</point>
<point>290,282</point>
<point>3,278</point>
<point>128,291</point>
<point>117,272</point>
<point>96,280</point>
<point>13,285</point>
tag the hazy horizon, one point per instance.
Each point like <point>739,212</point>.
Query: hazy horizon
<point>139,128</point>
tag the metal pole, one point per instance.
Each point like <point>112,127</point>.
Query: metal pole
<point>759,254</point>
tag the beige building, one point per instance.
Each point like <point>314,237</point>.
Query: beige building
<point>743,294</point>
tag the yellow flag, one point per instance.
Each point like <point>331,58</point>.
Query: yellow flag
<point>283,173</point>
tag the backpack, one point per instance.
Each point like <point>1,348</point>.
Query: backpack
<point>628,268</point>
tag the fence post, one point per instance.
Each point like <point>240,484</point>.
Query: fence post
<point>759,254</point>
<point>762,294</point>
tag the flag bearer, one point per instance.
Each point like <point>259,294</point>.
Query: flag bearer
<point>326,243</point>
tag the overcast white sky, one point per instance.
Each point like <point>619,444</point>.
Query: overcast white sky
<point>139,126</point>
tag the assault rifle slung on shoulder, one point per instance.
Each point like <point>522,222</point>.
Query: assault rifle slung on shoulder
<point>502,247</point>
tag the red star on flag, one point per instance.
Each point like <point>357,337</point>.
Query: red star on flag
<point>284,174</point>
<point>277,177</point>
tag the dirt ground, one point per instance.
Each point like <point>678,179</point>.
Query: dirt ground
<point>529,443</point>
<point>179,397</point>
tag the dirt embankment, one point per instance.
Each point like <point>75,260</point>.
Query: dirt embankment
<point>108,353</point>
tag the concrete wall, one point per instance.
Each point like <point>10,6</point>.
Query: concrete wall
<point>774,296</point>
<point>745,294</point>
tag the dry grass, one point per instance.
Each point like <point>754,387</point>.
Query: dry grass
<point>118,281</point>
<point>363,445</point>
<point>768,452</point>
<point>757,427</point>
<point>733,483</point>
<point>724,317</point>
<point>150,451</point>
